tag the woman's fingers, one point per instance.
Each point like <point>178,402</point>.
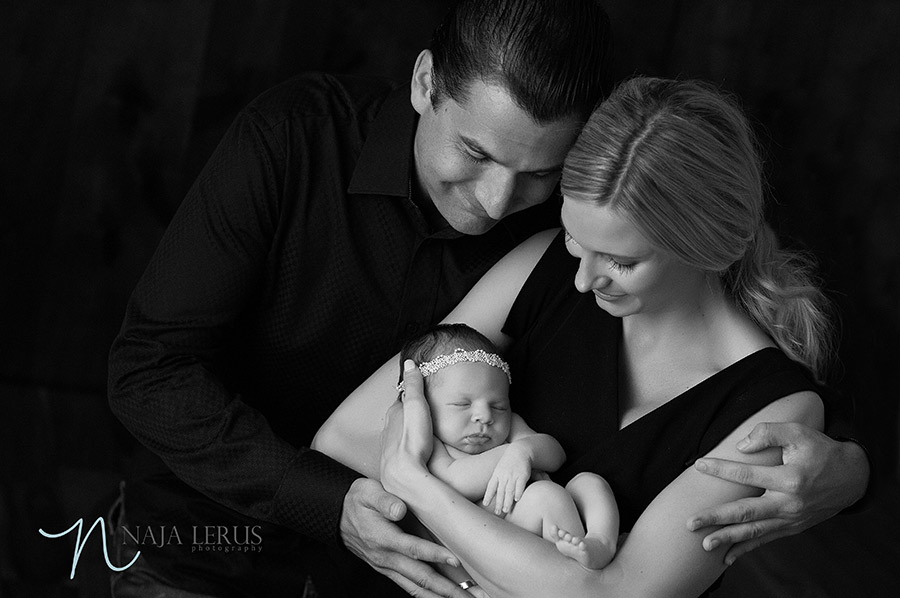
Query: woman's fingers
<point>417,434</point>
<point>420,580</point>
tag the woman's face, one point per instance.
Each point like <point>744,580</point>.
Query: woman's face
<point>470,406</point>
<point>625,272</point>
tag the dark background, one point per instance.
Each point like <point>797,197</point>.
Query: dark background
<point>110,108</point>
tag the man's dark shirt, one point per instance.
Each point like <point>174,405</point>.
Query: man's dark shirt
<point>297,264</point>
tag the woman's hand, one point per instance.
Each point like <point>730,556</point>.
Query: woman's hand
<point>406,440</point>
<point>406,445</point>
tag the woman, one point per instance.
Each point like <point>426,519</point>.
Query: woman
<point>704,329</point>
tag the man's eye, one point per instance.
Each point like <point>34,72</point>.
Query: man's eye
<point>475,158</point>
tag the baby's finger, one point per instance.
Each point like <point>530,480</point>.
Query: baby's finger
<point>510,498</point>
<point>491,491</point>
<point>500,504</point>
<point>520,488</point>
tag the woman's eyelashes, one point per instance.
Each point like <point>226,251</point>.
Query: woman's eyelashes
<point>619,266</point>
<point>613,263</point>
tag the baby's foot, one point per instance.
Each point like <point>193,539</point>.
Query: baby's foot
<point>592,552</point>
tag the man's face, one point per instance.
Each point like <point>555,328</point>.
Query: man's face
<point>485,158</point>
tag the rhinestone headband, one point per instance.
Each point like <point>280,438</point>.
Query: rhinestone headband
<point>475,356</point>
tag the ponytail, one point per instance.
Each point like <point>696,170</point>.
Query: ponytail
<point>778,289</point>
<point>681,159</point>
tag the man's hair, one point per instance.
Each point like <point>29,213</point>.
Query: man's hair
<point>550,55</point>
<point>444,338</point>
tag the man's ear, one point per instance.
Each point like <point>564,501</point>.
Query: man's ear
<point>422,84</point>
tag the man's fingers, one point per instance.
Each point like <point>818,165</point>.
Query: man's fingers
<point>739,511</point>
<point>740,532</point>
<point>389,506</point>
<point>758,476</point>
<point>766,435</point>
<point>742,548</point>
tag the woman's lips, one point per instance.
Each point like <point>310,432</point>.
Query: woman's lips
<point>607,297</point>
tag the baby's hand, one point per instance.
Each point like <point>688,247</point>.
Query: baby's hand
<point>508,481</point>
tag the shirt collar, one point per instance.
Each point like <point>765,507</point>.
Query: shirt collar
<point>383,167</point>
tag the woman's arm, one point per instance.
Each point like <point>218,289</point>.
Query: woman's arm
<point>660,557</point>
<point>351,434</point>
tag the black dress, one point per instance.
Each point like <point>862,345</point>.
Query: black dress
<point>565,368</point>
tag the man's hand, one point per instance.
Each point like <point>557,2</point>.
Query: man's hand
<point>370,531</point>
<point>818,478</point>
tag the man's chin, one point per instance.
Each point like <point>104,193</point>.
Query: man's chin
<point>474,227</point>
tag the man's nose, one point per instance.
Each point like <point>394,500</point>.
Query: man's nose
<point>497,193</point>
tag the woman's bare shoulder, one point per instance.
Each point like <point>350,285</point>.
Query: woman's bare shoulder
<point>487,305</point>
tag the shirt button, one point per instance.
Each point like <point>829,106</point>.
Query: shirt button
<point>412,328</point>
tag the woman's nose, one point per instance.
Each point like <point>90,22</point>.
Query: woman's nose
<point>590,276</point>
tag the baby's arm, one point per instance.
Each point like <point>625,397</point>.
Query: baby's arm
<point>528,451</point>
<point>544,451</point>
<point>467,474</point>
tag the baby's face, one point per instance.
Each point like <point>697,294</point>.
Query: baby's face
<point>470,406</point>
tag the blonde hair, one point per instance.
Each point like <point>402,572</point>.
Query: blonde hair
<point>680,161</point>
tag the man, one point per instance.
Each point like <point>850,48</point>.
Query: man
<point>334,221</point>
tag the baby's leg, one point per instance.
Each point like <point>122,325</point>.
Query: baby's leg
<point>549,510</point>
<point>597,505</point>
<point>543,505</point>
